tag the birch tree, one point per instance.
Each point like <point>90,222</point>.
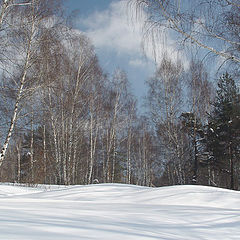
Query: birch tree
<point>165,103</point>
<point>70,99</point>
<point>22,31</point>
<point>115,124</point>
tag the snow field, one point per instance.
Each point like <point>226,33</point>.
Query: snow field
<point>117,212</point>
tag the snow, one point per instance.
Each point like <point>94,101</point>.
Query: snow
<point>118,211</point>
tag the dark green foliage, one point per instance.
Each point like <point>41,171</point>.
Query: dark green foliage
<point>224,128</point>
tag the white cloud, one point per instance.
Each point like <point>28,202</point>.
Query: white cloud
<point>114,30</point>
<point>111,29</point>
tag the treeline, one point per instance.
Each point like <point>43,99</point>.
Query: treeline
<point>197,125</point>
<point>65,121</point>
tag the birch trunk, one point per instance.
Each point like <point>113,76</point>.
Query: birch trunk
<point>19,95</point>
<point>55,140</point>
<point>44,154</point>
<point>31,150</point>
<point>114,158</point>
<point>74,162</point>
<point>129,155</point>
<point>19,161</point>
<point>93,142</point>
<point>91,149</point>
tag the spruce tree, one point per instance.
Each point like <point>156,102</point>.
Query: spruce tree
<point>223,128</point>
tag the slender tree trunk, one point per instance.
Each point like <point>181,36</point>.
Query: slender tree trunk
<point>44,154</point>
<point>91,150</point>
<point>18,162</point>
<point>209,175</point>
<point>64,144</point>
<point>19,96</point>
<point>108,157</point>
<point>129,155</point>
<point>114,158</point>
<point>169,175</point>
<point>140,159</point>
<point>104,162</point>
<point>231,168</point>
<point>93,141</point>
<point>145,161</point>
<point>31,150</point>
<point>74,164</point>
<point>195,167</point>
<point>55,141</point>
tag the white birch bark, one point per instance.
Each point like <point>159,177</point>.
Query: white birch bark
<point>44,154</point>
<point>114,158</point>
<point>55,137</point>
<point>31,150</point>
<point>19,94</point>
<point>18,146</point>
<point>129,155</point>
<point>93,141</point>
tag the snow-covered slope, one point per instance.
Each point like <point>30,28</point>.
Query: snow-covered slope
<point>116,211</point>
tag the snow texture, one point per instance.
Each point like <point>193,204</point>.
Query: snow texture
<point>117,211</point>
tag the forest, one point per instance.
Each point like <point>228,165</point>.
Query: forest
<point>65,120</point>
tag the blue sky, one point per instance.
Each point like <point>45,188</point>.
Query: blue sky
<point>118,39</point>
<point>86,7</point>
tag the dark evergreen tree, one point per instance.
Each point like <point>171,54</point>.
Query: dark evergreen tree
<point>224,129</point>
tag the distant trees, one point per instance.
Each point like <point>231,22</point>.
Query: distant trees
<point>65,120</point>
<point>200,146</point>
<point>206,130</point>
<point>182,135</point>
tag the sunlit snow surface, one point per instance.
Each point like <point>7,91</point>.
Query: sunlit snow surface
<point>118,212</point>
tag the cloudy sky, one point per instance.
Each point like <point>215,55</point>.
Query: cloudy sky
<point>118,39</point>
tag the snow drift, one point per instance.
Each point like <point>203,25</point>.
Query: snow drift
<point>117,211</point>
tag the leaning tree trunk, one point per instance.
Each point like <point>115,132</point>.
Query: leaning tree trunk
<point>19,95</point>
<point>15,111</point>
